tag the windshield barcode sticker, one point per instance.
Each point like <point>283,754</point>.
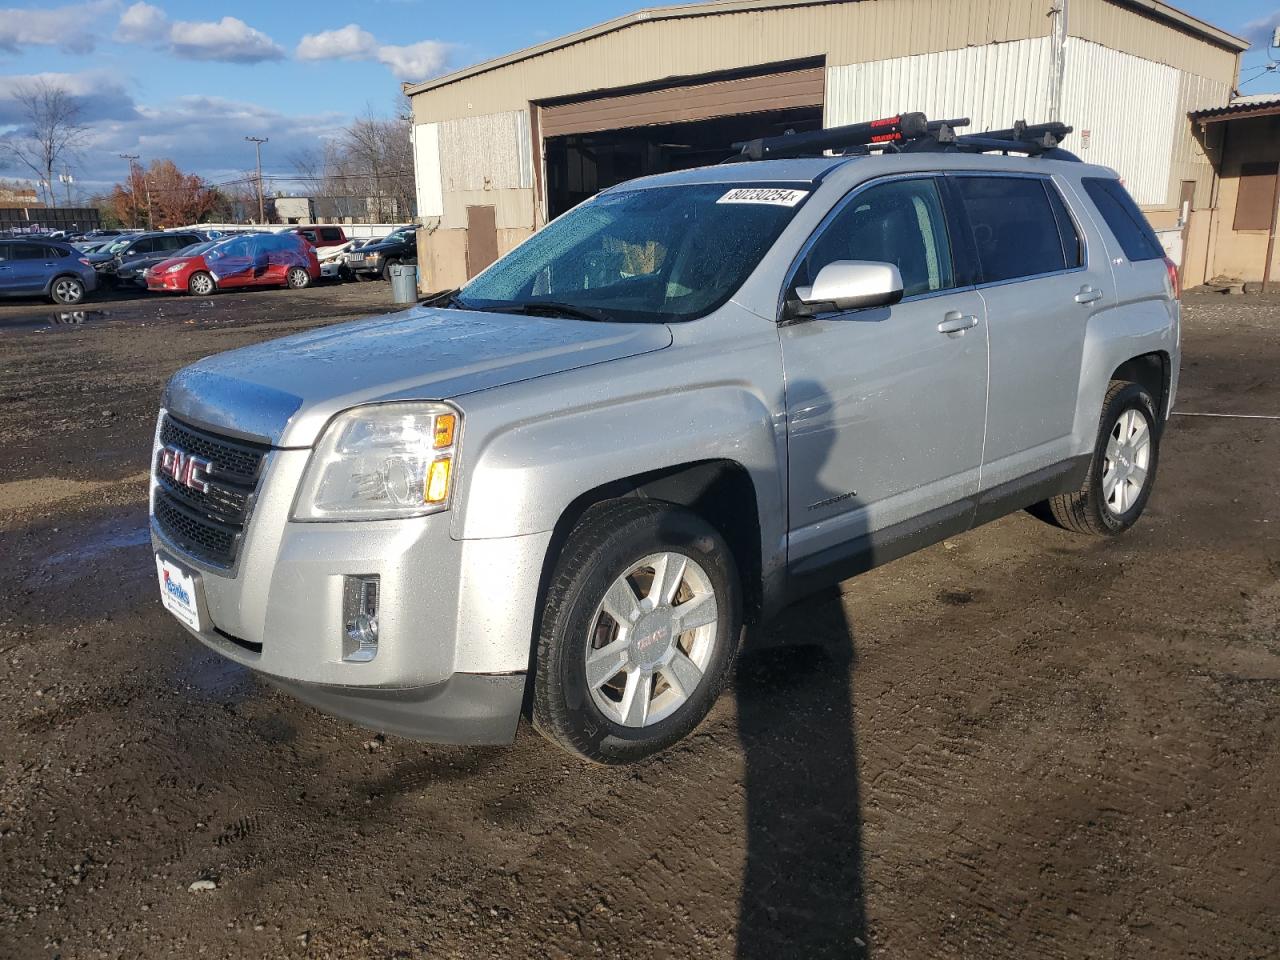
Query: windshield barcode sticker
<point>771,195</point>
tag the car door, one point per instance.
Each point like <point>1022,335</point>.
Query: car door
<point>31,268</point>
<point>231,264</point>
<point>1040,285</point>
<point>885,406</point>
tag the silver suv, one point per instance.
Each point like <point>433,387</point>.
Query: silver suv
<point>564,489</point>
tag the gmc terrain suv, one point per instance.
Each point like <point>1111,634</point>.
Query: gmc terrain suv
<point>563,489</point>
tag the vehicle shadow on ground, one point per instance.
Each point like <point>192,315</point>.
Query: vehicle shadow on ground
<point>803,888</point>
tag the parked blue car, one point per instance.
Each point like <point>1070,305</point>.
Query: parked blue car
<point>49,268</point>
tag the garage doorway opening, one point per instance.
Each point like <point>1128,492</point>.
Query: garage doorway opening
<point>580,165</point>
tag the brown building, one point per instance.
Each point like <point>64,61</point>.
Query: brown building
<point>1235,236</point>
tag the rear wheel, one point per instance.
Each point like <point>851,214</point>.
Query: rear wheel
<point>297,278</point>
<point>200,284</point>
<point>1123,469</point>
<point>639,631</point>
<point>66,290</point>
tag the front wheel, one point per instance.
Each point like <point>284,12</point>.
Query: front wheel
<point>639,631</point>
<point>1123,469</point>
<point>67,290</point>
<point>200,284</point>
<point>386,269</point>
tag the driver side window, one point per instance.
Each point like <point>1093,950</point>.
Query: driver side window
<point>900,222</point>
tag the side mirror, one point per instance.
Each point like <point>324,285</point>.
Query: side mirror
<point>849,285</point>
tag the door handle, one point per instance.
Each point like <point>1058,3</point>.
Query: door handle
<point>956,323</point>
<point>1088,294</point>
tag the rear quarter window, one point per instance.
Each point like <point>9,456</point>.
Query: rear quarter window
<point>331,236</point>
<point>1125,220</point>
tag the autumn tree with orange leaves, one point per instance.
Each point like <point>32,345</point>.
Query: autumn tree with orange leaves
<point>162,196</point>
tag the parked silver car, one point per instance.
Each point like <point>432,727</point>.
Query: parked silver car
<point>565,488</point>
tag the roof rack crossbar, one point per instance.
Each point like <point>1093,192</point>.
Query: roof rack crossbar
<point>909,132</point>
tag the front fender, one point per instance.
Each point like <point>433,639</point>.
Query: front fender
<point>526,475</point>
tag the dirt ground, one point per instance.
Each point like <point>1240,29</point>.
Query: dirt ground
<point>1016,744</point>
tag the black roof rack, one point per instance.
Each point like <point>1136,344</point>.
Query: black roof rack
<point>910,133</point>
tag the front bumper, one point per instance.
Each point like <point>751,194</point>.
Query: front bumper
<point>466,708</point>
<point>455,617</point>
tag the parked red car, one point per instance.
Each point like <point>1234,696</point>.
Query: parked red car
<point>254,260</point>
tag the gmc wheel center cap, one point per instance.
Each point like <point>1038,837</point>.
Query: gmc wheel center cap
<point>652,638</point>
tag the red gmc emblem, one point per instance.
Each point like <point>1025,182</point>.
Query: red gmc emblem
<point>188,469</point>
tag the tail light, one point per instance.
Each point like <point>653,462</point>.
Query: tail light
<point>1174,285</point>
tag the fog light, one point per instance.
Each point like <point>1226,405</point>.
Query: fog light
<point>360,618</point>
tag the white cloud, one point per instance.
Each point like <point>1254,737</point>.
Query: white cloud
<point>70,27</point>
<point>414,61</point>
<point>229,39</point>
<point>142,23</point>
<point>348,43</point>
<point>1261,30</point>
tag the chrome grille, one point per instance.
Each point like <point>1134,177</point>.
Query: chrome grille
<point>209,525</point>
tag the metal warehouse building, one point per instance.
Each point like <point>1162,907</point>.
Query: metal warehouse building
<point>502,147</point>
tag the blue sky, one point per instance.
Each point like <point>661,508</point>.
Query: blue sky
<point>189,80</point>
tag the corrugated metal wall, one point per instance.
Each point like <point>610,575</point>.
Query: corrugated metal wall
<point>1122,28</point>
<point>993,85</point>
<point>663,48</point>
<point>489,152</point>
<point>1129,107</point>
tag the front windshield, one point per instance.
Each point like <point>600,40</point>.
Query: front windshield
<point>648,255</point>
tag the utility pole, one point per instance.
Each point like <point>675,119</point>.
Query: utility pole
<point>133,185</point>
<point>257,149</point>
<point>67,179</point>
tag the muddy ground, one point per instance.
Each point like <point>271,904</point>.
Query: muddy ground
<point>1016,744</point>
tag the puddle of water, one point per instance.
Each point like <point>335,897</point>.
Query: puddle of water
<point>58,320</point>
<point>99,541</point>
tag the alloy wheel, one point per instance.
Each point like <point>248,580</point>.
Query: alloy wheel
<point>66,290</point>
<point>652,638</point>
<point>1127,461</point>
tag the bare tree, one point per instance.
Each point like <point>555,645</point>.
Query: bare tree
<point>51,131</point>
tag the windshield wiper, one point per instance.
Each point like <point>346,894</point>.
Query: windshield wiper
<point>448,299</point>
<point>556,309</point>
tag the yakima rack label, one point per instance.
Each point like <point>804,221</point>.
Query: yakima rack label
<point>771,195</point>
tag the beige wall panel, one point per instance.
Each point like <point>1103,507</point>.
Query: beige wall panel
<point>508,240</point>
<point>446,260</point>
<point>1196,253</point>
<point>657,50</point>
<point>1240,253</point>
<point>1123,28</point>
<point>514,208</point>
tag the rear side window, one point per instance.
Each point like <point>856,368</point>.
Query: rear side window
<point>331,235</point>
<point>1015,228</point>
<point>900,222</point>
<point>34,251</point>
<point>1136,238</point>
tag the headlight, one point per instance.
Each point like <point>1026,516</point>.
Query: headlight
<point>382,462</point>
<point>174,268</point>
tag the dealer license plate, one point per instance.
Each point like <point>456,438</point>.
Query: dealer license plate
<point>178,592</point>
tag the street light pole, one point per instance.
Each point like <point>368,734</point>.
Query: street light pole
<point>257,149</point>
<point>133,185</point>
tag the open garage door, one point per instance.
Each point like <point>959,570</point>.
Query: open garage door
<point>593,143</point>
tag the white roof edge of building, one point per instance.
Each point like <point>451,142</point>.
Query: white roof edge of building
<point>713,7</point>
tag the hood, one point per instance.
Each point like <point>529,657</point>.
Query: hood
<point>285,391</point>
<point>99,257</point>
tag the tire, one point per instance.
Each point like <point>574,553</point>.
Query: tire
<point>386,269</point>
<point>1130,428</point>
<point>200,284</point>
<point>297,279</point>
<point>66,290</point>
<point>611,540</point>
